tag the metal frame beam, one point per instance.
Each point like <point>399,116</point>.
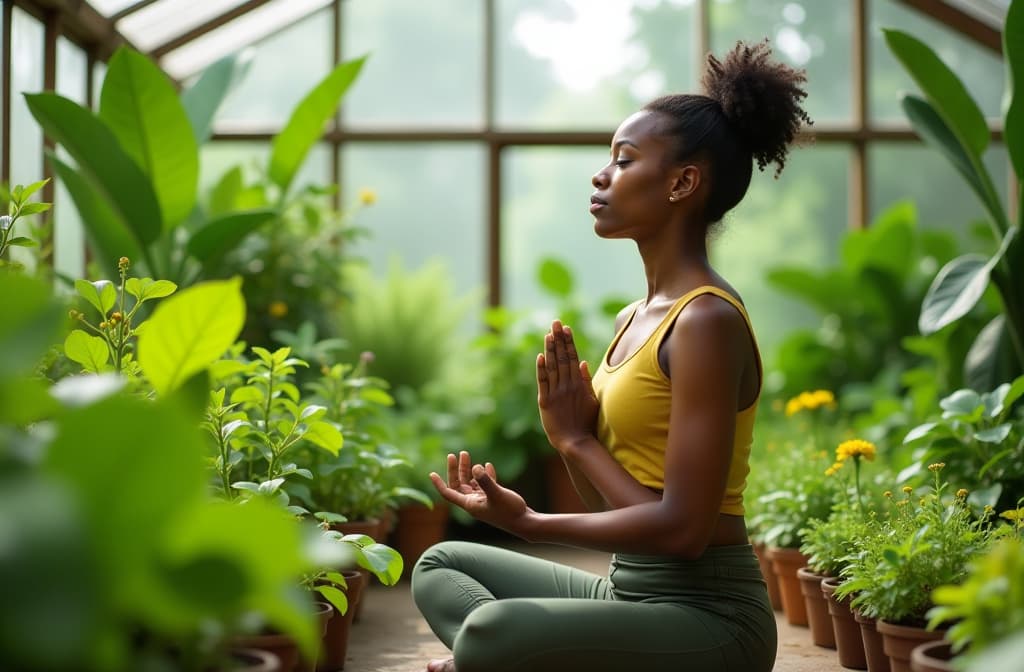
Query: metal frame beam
<point>961,22</point>
<point>204,28</point>
<point>80,22</point>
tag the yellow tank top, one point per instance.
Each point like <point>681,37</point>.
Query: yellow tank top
<point>636,399</point>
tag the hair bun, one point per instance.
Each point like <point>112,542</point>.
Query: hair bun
<point>760,97</point>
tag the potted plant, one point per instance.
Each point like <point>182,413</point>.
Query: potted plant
<point>920,545</point>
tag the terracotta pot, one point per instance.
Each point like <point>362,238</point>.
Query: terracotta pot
<point>874,648</point>
<point>900,641</point>
<point>785,562</point>
<point>561,493</point>
<point>324,612</point>
<point>418,529</point>
<point>934,656</point>
<point>817,608</point>
<point>769,575</point>
<point>849,643</point>
<point>280,646</point>
<point>370,527</point>
<point>335,646</point>
<point>252,660</point>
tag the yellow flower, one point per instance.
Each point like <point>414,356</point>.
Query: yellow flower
<point>367,196</point>
<point>793,406</point>
<point>277,309</point>
<point>907,489</point>
<point>887,494</point>
<point>936,466</point>
<point>808,401</point>
<point>961,493</point>
<point>855,448</point>
<point>831,471</point>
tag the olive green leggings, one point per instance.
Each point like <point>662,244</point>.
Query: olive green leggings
<point>502,611</point>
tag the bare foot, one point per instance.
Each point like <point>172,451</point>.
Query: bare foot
<point>441,665</point>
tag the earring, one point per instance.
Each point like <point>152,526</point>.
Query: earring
<point>672,198</point>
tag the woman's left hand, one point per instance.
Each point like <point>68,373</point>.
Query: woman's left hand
<point>565,393</point>
<point>475,489</point>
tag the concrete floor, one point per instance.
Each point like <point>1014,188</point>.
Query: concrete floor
<point>392,637</point>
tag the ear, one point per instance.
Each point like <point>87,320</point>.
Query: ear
<point>685,182</point>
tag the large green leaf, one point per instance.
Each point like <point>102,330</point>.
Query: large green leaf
<point>984,367</point>
<point>210,243</point>
<point>942,88</point>
<point>99,155</point>
<point>202,100</point>
<point>1013,104</point>
<point>936,132</point>
<point>555,277</point>
<point>190,330</point>
<point>109,235</point>
<point>30,324</point>
<point>307,123</point>
<point>141,107</point>
<point>958,287</point>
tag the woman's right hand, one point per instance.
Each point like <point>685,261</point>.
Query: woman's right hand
<point>565,393</point>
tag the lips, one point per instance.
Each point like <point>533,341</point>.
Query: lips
<point>596,203</point>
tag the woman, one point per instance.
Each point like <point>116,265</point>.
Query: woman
<point>657,443</point>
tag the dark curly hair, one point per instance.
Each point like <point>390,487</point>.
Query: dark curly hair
<point>750,110</point>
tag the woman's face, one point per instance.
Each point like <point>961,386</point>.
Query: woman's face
<point>632,191</point>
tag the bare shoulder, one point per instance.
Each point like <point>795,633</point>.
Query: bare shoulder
<point>709,319</point>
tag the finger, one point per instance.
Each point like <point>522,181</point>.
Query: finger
<point>453,471</point>
<point>587,380</point>
<point>447,493</point>
<point>465,468</point>
<point>550,361</point>
<point>570,351</point>
<point>491,472</point>
<point>561,354</point>
<point>484,480</point>
<point>542,380</point>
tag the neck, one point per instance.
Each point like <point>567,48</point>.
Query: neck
<point>675,261</point>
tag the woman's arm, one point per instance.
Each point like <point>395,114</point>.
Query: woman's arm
<point>707,350</point>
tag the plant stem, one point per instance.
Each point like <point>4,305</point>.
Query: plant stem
<point>856,483</point>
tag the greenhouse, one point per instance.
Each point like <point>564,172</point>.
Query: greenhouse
<point>384,335</point>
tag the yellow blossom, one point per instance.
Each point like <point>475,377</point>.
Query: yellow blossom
<point>808,401</point>
<point>961,493</point>
<point>887,494</point>
<point>367,196</point>
<point>937,466</point>
<point>793,406</point>
<point>855,448</point>
<point>277,309</point>
<point>831,471</point>
<point>907,489</point>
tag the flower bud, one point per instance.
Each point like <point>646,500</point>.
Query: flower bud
<point>5,222</point>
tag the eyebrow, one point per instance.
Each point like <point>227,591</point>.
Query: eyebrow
<point>625,141</point>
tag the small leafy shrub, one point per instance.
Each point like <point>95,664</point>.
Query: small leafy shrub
<point>18,206</point>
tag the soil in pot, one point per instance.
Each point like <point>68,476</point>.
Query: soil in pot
<point>817,608</point>
<point>785,562</point>
<point>934,656</point>
<point>335,646</point>
<point>849,640</point>
<point>900,641</point>
<point>761,551</point>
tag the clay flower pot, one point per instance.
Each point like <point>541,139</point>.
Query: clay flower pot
<point>934,656</point>
<point>785,562</point>
<point>335,645</point>
<point>373,528</point>
<point>900,641</point>
<point>252,660</point>
<point>418,529</point>
<point>849,643</point>
<point>817,608</point>
<point>874,647</point>
<point>761,551</point>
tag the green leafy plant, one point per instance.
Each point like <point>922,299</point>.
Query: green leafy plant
<point>18,206</point>
<point>980,438</point>
<point>921,545</point>
<point>113,346</point>
<point>951,121</point>
<point>988,607</point>
<point>135,182</point>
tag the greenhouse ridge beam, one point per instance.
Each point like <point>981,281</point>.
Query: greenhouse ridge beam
<point>131,9</point>
<point>214,23</point>
<point>960,21</point>
<point>79,20</point>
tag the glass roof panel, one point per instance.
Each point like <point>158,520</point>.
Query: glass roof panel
<point>243,31</point>
<point>152,26</point>
<point>111,7</point>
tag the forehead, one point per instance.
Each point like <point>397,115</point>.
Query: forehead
<point>640,128</point>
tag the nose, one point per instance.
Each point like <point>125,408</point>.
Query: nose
<point>600,179</point>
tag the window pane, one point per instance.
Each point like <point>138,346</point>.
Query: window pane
<point>980,70</point>
<point>545,214</point>
<point>798,219</point>
<point>815,36</point>
<point>217,157</point>
<point>911,171</point>
<point>430,204</point>
<point>274,68</point>
<point>26,136</point>
<point>425,66</point>
<point>577,64</point>
<point>156,24</point>
<point>68,236</point>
